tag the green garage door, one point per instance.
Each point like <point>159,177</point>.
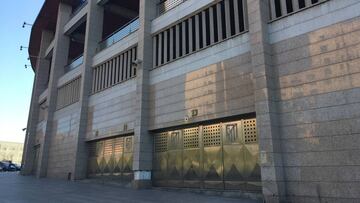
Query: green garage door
<point>218,156</point>
<point>111,158</point>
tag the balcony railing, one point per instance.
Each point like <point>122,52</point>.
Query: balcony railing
<point>166,5</point>
<point>120,34</point>
<point>78,8</point>
<point>74,63</point>
<point>282,8</point>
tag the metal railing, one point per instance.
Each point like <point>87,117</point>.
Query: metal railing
<point>166,5</point>
<point>282,8</point>
<point>120,34</point>
<point>78,8</point>
<point>74,63</point>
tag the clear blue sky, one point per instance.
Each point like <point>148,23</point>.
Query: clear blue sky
<point>15,81</point>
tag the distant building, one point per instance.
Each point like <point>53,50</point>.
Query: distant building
<point>11,151</point>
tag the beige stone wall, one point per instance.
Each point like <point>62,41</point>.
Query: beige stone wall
<point>319,104</point>
<point>215,91</point>
<point>62,142</point>
<point>10,151</point>
<point>112,110</point>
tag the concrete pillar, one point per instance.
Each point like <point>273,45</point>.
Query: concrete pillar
<point>39,86</point>
<point>266,82</point>
<point>143,142</point>
<point>59,60</point>
<point>94,25</point>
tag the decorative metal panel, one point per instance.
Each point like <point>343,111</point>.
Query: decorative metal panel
<point>212,136</point>
<point>175,141</point>
<point>250,134</point>
<point>111,157</point>
<point>221,156</point>
<point>191,138</point>
<point>175,159</point>
<point>161,142</point>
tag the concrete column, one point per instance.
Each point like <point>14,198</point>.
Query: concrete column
<point>60,56</point>
<point>265,84</point>
<point>39,86</point>
<point>143,142</point>
<point>93,36</point>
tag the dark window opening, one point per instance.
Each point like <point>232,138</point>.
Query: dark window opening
<point>123,67</point>
<point>278,8</point>
<point>180,40</point>
<point>207,21</point>
<point>174,42</point>
<point>156,50</point>
<point>241,15</point>
<point>187,37</point>
<point>162,48</point>
<point>193,34</point>
<point>168,46</point>
<point>302,4</point>
<point>289,6</point>
<point>216,38</point>
<point>232,17</point>
<point>314,1</point>
<point>200,31</point>
<point>135,55</point>
<point>223,20</point>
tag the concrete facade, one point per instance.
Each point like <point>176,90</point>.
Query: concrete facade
<point>298,72</point>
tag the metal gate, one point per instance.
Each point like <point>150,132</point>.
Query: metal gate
<point>111,158</point>
<point>219,156</point>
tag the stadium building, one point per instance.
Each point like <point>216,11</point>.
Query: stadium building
<point>248,96</point>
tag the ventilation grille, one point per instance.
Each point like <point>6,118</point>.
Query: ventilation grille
<point>250,131</point>
<point>191,138</point>
<point>161,141</point>
<point>114,71</point>
<point>212,136</point>
<point>68,94</point>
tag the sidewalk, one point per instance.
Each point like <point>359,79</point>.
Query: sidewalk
<point>15,188</point>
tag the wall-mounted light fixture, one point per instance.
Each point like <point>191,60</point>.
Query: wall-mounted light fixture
<point>26,24</point>
<point>22,47</point>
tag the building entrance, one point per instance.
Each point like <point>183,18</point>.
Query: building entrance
<point>218,156</point>
<point>111,158</point>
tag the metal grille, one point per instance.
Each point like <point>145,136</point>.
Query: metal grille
<point>215,23</point>
<point>68,93</point>
<point>108,147</point>
<point>191,138</point>
<point>114,71</point>
<point>281,8</point>
<point>118,145</point>
<point>250,131</point>
<point>161,142</point>
<point>212,135</point>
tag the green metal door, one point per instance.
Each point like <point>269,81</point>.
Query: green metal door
<point>217,156</point>
<point>111,158</point>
